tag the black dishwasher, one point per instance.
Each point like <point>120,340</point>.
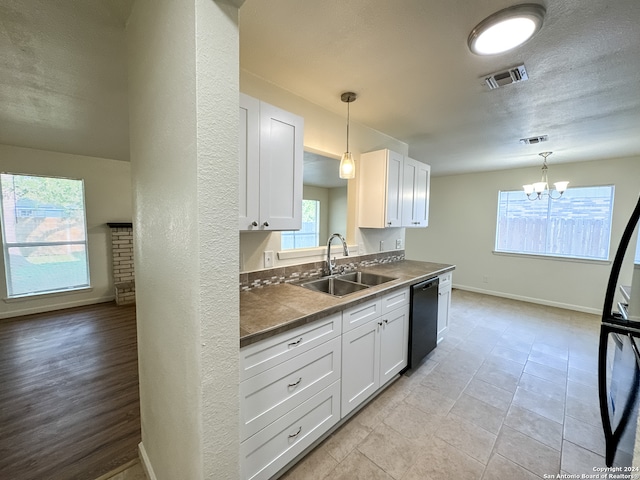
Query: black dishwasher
<point>423,322</point>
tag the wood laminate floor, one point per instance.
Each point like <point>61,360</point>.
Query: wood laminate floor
<point>69,401</point>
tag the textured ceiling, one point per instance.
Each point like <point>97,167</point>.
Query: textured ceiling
<point>63,81</point>
<point>63,77</point>
<point>417,81</point>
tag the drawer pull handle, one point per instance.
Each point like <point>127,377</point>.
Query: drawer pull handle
<point>296,383</point>
<point>295,344</point>
<point>293,435</point>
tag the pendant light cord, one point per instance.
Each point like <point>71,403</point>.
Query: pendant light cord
<point>348,121</point>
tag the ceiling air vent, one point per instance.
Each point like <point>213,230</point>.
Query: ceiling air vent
<point>534,140</point>
<point>500,79</point>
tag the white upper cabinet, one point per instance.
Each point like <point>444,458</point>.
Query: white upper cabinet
<point>271,152</point>
<point>249,153</point>
<point>380,181</point>
<point>394,191</point>
<point>415,193</point>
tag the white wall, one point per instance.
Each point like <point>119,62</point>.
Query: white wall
<point>337,210</point>
<point>324,131</point>
<point>107,186</point>
<point>183,80</point>
<point>462,232</point>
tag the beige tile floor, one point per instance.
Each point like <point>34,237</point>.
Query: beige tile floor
<point>509,394</point>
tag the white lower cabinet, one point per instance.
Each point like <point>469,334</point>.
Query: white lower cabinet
<point>444,304</point>
<point>360,364</point>
<point>394,343</point>
<point>273,447</point>
<point>268,396</point>
<point>298,384</point>
<point>373,353</point>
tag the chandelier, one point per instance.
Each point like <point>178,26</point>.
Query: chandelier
<point>541,189</point>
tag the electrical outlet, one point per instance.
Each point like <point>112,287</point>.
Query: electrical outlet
<point>485,279</point>
<point>268,259</point>
<point>398,244</point>
<point>381,245</point>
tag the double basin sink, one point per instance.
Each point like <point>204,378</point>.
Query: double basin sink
<point>346,283</point>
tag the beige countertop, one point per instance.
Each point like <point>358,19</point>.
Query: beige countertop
<point>270,310</point>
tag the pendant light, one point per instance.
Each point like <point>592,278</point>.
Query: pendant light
<point>347,165</point>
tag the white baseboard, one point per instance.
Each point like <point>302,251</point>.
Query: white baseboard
<point>146,464</point>
<point>56,306</point>
<point>539,301</point>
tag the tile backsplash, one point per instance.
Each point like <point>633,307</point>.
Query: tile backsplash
<point>292,273</point>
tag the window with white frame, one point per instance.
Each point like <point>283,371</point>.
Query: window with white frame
<point>309,235</point>
<point>577,225</point>
<point>44,234</point>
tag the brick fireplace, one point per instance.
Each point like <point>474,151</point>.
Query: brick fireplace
<point>123,273</point>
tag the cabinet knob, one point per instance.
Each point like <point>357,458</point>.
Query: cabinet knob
<point>389,223</point>
<point>265,224</point>
<point>379,324</point>
<point>386,321</point>
<point>254,224</point>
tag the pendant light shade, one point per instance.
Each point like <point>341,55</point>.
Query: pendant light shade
<point>347,165</point>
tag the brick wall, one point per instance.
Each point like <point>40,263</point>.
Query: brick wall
<point>123,273</point>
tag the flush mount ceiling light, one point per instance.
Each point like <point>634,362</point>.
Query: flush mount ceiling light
<point>541,189</point>
<point>506,29</point>
<point>347,165</point>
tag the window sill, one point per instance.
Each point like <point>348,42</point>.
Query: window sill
<point>552,257</point>
<point>24,298</point>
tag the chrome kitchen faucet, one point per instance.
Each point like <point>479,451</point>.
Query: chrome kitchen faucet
<point>331,265</point>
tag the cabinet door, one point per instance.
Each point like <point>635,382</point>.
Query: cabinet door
<point>393,216</point>
<point>415,200</point>
<point>249,156</point>
<point>421,194</point>
<point>394,343</point>
<point>360,364</point>
<point>444,304</point>
<point>409,175</point>
<point>281,153</point>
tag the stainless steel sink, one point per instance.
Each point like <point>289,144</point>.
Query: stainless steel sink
<point>364,278</point>
<point>341,285</point>
<point>333,286</point>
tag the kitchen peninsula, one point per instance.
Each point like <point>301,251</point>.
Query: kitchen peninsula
<point>310,360</point>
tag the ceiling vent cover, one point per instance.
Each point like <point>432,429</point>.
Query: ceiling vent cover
<point>534,140</point>
<point>500,79</point>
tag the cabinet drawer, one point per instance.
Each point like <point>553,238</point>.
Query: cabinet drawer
<point>360,314</point>
<point>395,299</point>
<point>263,355</point>
<point>267,396</point>
<point>445,278</point>
<point>266,452</point>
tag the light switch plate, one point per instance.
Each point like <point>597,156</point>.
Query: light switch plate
<point>268,259</point>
